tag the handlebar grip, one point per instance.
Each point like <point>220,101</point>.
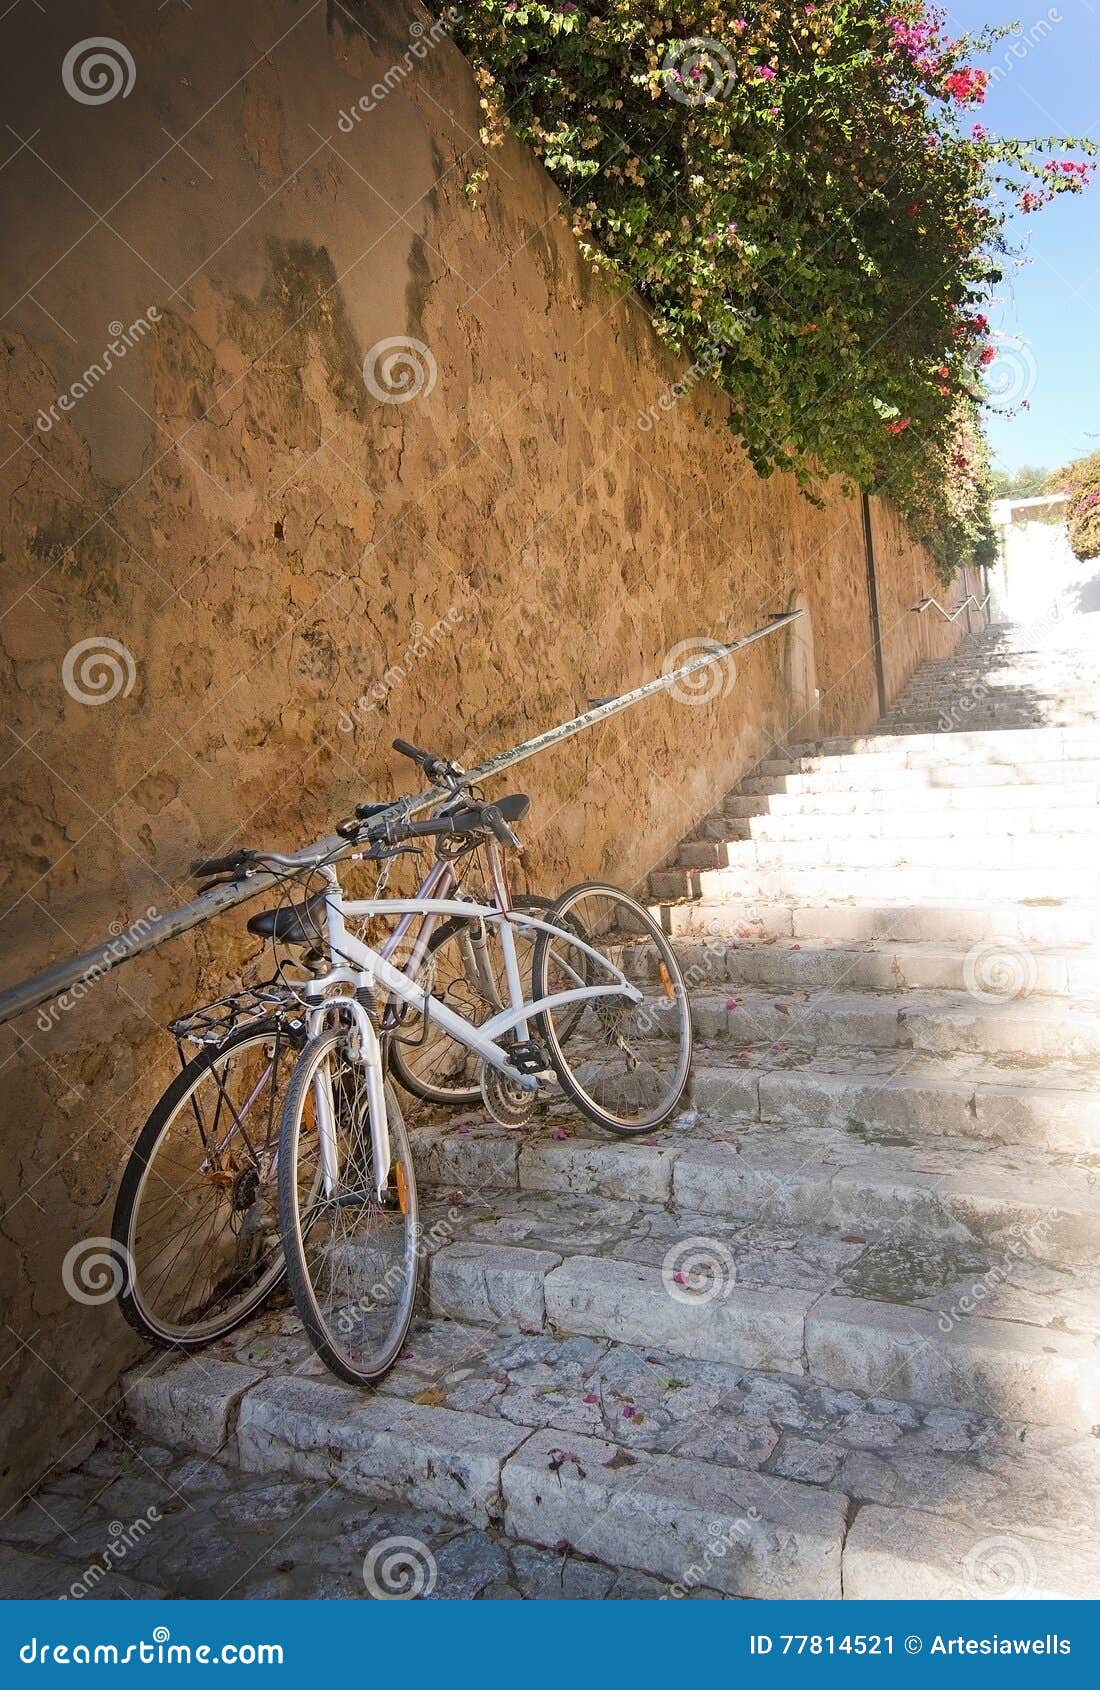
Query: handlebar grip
<point>204,866</point>
<point>412,751</point>
<point>500,827</point>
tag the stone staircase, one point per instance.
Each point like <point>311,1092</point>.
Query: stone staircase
<point>834,1332</point>
<point>1005,677</point>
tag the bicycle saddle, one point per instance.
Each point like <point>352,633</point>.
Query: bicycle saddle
<point>293,924</point>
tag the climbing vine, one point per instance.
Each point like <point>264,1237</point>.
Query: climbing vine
<point>803,193</point>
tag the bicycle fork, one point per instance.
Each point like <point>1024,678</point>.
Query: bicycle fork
<point>366,1049</point>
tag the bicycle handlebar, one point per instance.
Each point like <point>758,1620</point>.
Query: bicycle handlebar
<point>379,823</point>
<point>204,866</point>
<point>435,767</point>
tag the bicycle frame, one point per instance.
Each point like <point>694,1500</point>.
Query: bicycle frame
<point>363,967</point>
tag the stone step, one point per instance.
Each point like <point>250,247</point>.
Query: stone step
<point>609,1492</point>
<point>699,1474</point>
<point>217,1533</point>
<point>958,829</point>
<point>1042,923</point>
<point>933,1023</point>
<point>1030,849</point>
<point>933,749</point>
<point>1006,974</point>
<point>916,1096</point>
<point>880,1185</point>
<point>945,775</point>
<point>890,1320</point>
<point>834,882</point>
<point>908,1554</point>
<point>1041,796</point>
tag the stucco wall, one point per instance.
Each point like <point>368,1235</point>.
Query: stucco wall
<point>266,539</point>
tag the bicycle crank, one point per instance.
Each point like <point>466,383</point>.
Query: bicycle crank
<point>509,1104</point>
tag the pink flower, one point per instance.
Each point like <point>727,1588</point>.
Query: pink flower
<point>766,72</point>
<point>966,84</point>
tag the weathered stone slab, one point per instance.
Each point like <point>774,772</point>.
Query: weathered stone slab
<point>901,1553</point>
<point>746,1326</point>
<point>684,1521</point>
<point>427,1456</point>
<point>998,1366</point>
<point>187,1404</point>
<point>476,1160</point>
<point>633,1173</point>
<point>487,1283</point>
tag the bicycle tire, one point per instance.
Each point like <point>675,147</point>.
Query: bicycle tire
<point>133,1185</point>
<point>567,1067</point>
<point>338,1357</point>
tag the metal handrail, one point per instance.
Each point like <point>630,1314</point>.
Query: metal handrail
<point>952,615</point>
<point>92,964</point>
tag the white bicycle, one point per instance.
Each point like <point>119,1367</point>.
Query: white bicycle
<point>608,1021</point>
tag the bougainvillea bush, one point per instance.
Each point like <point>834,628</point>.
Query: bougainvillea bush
<point>801,193</point>
<point>1081,480</point>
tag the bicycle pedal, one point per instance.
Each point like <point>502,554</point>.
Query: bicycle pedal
<point>527,1057</point>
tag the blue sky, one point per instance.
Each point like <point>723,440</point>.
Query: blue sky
<point>1048,306</point>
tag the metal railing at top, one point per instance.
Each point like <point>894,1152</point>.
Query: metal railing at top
<point>146,935</point>
<point>952,615</point>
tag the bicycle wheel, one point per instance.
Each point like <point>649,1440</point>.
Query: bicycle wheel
<point>195,1220</point>
<point>627,1065</point>
<point>353,1262</point>
<point>469,977</point>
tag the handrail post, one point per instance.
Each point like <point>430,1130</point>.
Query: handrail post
<point>872,599</point>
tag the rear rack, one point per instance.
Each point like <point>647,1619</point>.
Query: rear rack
<point>273,1001</point>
